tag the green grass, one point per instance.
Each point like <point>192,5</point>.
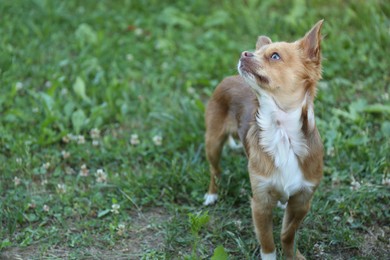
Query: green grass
<point>148,68</point>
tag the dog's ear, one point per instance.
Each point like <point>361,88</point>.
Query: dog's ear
<point>311,43</point>
<point>261,41</point>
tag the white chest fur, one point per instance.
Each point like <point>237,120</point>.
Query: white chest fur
<point>282,138</point>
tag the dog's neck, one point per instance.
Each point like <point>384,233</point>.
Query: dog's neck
<point>281,132</point>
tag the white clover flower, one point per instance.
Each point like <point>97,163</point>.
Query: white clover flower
<point>129,57</point>
<point>318,249</point>
<point>17,181</point>
<point>115,208</point>
<point>67,138</point>
<point>191,90</point>
<point>95,143</point>
<point>385,180</point>
<point>84,171</point>
<point>19,85</point>
<point>121,229</point>
<point>46,208</point>
<point>44,182</point>
<point>157,140</point>
<point>65,154</point>
<point>64,92</point>
<point>134,140</point>
<point>69,170</point>
<point>238,224</point>
<point>80,139</point>
<point>101,176</point>
<point>46,165</point>
<point>355,185</point>
<point>61,188</point>
<point>95,133</point>
<point>330,151</point>
<point>31,205</point>
<point>138,31</point>
<point>48,84</point>
<point>19,160</point>
<point>350,219</point>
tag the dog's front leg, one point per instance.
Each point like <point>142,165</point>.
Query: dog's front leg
<point>262,220</point>
<point>297,208</point>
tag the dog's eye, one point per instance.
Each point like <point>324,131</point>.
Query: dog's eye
<point>275,56</point>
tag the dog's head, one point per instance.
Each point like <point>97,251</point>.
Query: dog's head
<point>286,71</point>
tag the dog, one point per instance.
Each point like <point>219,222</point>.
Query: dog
<point>269,107</point>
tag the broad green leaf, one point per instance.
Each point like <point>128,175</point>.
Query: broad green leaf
<point>386,128</point>
<point>197,221</point>
<point>69,108</point>
<point>219,17</point>
<point>48,100</point>
<point>85,34</point>
<point>219,254</point>
<point>78,120</point>
<point>377,108</point>
<point>174,17</point>
<point>103,213</point>
<point>80,90</point>
<point>5,243</point>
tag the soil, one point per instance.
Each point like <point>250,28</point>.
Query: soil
<point>145,234</point>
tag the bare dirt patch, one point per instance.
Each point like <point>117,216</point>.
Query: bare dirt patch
<point>375,245</point>
<point>144,234</point>
<point>376,241</point>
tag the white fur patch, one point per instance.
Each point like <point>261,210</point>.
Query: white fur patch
<point>281,131</point>
<point>287,181</point>
<point>270,256</point>
<point>310,117</point>
<point>282,138</point>
<point>282,206</point>
<point>232,143</point>
<point>210,199</point>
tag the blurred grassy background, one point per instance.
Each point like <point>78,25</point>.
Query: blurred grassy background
<point>146,68</point>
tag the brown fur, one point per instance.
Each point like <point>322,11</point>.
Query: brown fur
<point>232,110</point>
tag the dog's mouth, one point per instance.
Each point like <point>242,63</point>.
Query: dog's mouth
<point>261,79</point>
<point>248,73</point>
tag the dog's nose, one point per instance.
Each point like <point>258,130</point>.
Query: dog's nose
<point>246,54</point>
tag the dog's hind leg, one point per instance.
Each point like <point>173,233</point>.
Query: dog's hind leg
<point>216,136</point>
<point>214,145</point>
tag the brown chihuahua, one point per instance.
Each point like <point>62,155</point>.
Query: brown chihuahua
<point>270,108</point>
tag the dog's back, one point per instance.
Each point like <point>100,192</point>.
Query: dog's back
<point>231,109</point>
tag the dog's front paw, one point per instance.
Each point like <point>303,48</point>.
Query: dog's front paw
<point>210,199</point>
<point>269,256</point>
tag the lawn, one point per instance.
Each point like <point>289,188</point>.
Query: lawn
<point>101,128</point>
